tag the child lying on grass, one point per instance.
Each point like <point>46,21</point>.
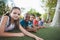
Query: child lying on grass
<point>11,21</point>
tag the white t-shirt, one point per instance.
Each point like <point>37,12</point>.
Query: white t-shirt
<point>11,26</point>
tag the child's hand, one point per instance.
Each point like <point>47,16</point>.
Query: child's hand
<point>37,38</point>
<point>21,35</point>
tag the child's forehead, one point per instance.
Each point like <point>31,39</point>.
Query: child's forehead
<point>15,10</point>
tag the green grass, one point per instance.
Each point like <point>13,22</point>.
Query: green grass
<point>49,33</point>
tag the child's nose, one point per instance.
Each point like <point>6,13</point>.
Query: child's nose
<point>16,15</point>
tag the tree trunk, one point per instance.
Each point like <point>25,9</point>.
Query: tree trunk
<point>56,19</point>
<point>48,15</point>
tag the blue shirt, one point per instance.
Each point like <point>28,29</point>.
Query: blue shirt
<point>41,23</point>
<point>30,23</point>
<point>24,23</point>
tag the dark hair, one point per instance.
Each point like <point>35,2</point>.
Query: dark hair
<point>26,15</point>
<point>40,18</point>
<point>15,21</point>
<point>32,15</point>
<point>12,10</point>
<point>15,8</point>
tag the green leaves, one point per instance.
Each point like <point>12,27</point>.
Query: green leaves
<point>33,11</point>
<point>51,3</point>
<point>2,7</point>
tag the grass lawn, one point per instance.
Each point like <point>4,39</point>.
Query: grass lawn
<point>49,33</point>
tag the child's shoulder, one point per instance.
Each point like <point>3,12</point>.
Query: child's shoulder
<point>34,20</point>
<point>4,17</point>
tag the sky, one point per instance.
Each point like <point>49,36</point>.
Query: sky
<point>28,4</point>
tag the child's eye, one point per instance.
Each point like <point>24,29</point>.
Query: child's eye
<point>14,13</point>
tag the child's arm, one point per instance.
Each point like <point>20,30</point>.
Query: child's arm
<point>28,33</point>
<point>6,34</point>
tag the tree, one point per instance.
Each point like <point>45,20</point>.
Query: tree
<point>51,4</point>
<point>33,11</point>
<point>56,19</point>
<point>2,7</point>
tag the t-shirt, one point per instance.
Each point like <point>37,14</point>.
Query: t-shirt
<point>35,22</point>
<point>40,23</point>
<point>24,23</point>
<point>30,23</point>
<point>10,27</point>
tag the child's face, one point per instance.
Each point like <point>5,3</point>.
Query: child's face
<point>27,18</point>
<point>31,18</point>
<point>15,14</point>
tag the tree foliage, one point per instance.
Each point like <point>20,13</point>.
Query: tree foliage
<point>51,5</point>
<point>3,7</point>
<point>33,11</point>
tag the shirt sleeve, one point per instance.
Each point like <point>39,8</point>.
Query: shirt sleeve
<point>35,22</point>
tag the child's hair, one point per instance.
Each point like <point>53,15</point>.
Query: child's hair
<point>40,19</point>
<point>12,10</point>
<point>15,8</point>
<point>32,15</point>
<point>26,15</point>
<point>16,21</point>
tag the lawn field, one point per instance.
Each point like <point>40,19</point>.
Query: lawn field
<point>49,33</point>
